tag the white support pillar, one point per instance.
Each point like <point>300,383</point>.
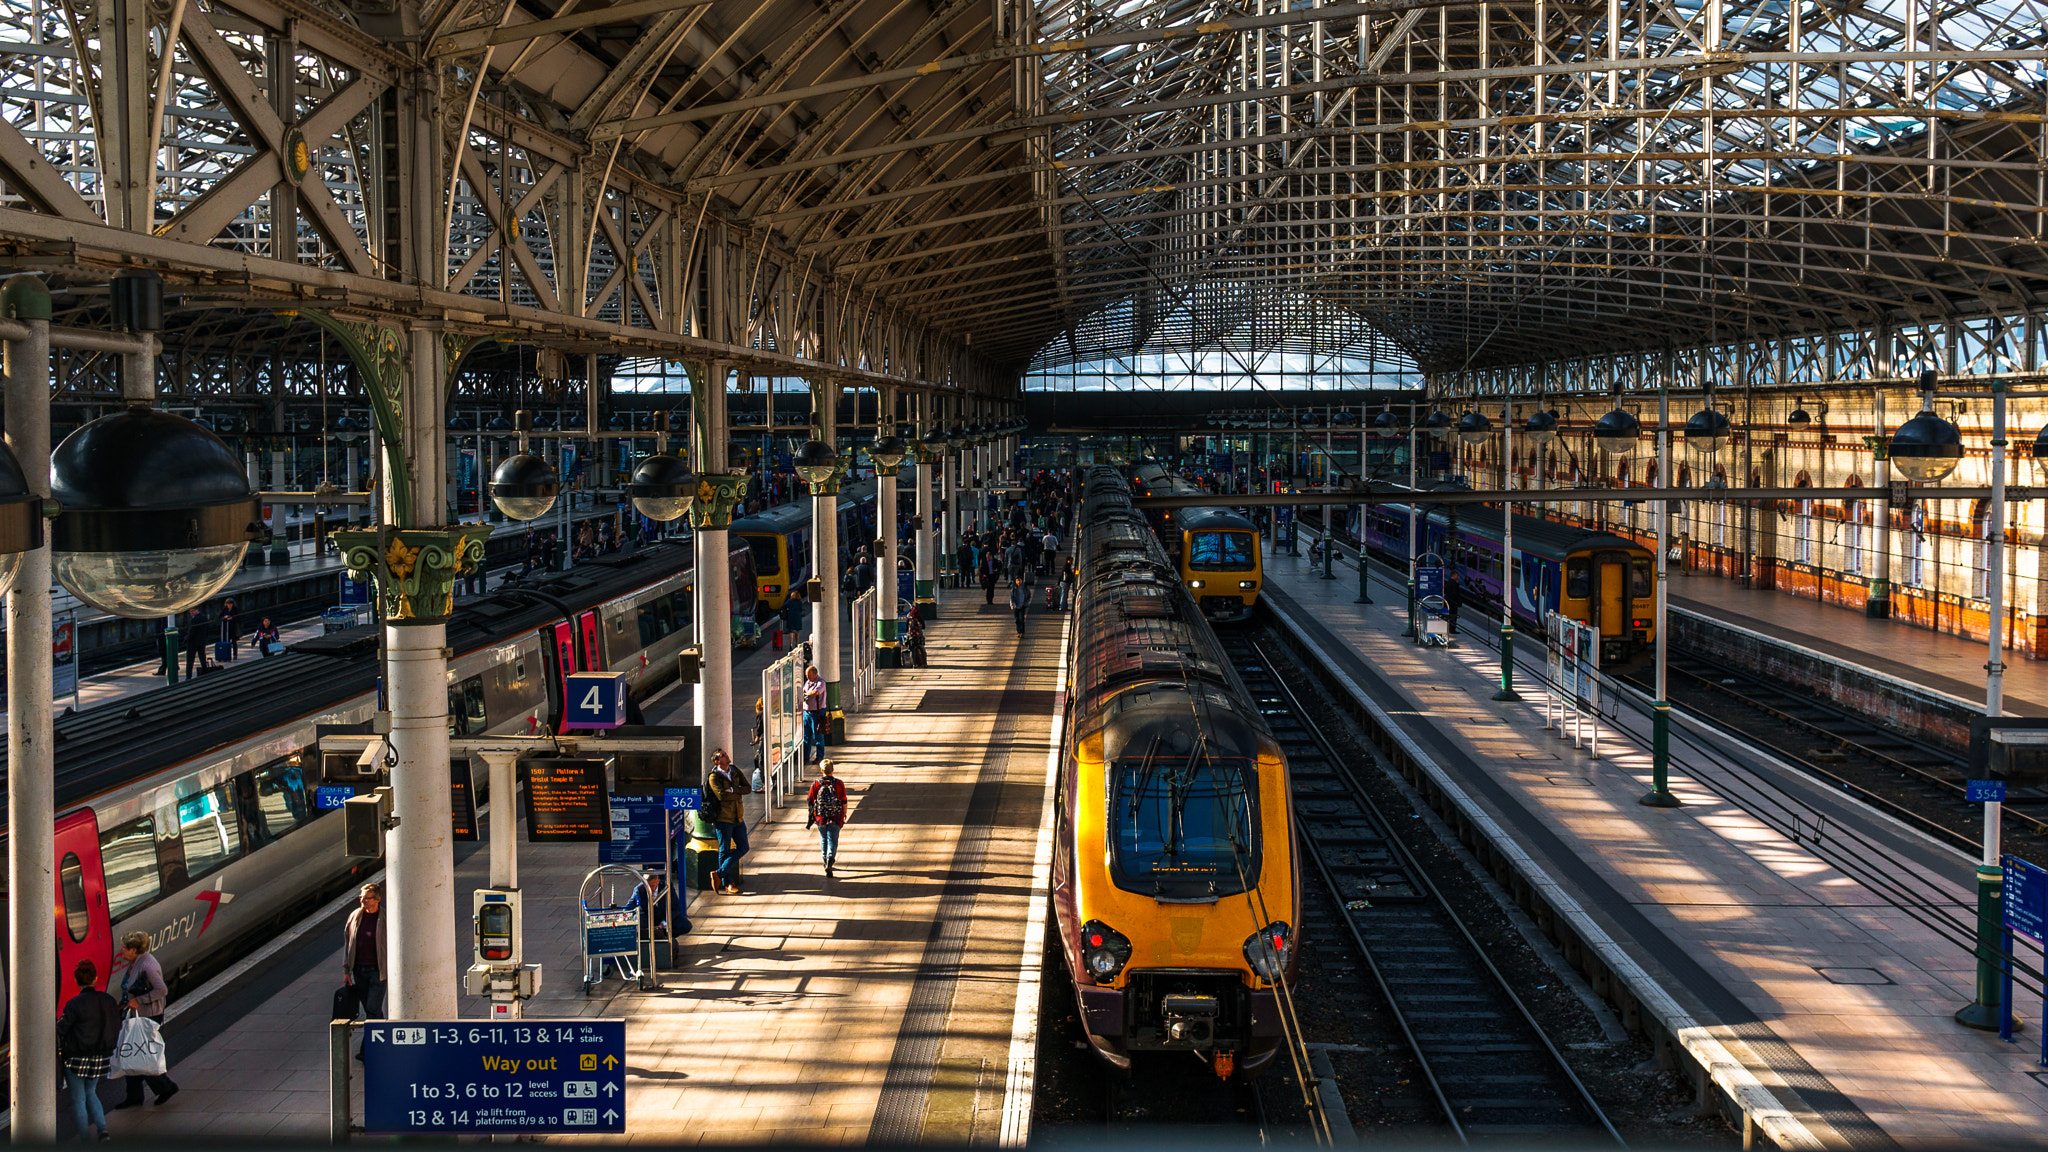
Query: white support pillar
<point>714,570</point>
<point>32,976</point>
<point>419,858</point>
<point>825,554</point>
<point>887,653</point>
<point>926,561</point>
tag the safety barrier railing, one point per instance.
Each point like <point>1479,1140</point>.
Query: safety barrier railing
<point>782,728</point>
<point>1572,665</point>
<point>865,613</point>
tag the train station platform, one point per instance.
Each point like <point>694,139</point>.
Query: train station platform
<point>1797,948</point>
<point>878,1005</point>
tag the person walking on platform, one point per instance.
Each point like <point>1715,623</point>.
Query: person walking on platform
<point>1020,601</point>
<point>266,637</point>
<point>1454,599</point>
<point>728,821</point>
<point>143,991</point>
<point>814,715</point>
<point>1013,560</point>
<point>988,578</point>
<point>1049,550</point>
<point>228,634</point>
<point>196,643</point>
<point>827,802</point>
<point>365,953</point>
<point>87,1034</point>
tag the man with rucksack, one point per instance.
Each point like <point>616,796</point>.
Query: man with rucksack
<point>827,801</point>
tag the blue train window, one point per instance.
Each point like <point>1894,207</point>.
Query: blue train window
<point>1220,551</point>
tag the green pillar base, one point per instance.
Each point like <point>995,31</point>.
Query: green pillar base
<point>835,716</point>
<point>171,654</point>
<point>927,601</point>
<point>1507,691</point>
<point>1982,1017</point>
<point>1660,758</point>
<point>280,554</point>
<point>1656,799</point>
<point>888,655</point>
<point>1983,1013</point>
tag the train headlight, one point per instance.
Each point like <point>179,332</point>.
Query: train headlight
<point>1247,583</point>
<point>1269,949</point>
<point>1198,583</point>
<point>770,589</point>
<point>1104,950</point>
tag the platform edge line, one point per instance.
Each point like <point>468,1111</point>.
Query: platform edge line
<point>1752,1095</point>
<point>1020,1087</point>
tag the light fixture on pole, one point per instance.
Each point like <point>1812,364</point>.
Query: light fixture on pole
<point>525,486</point>
<point>1438,424</point>
<point>1928,447</point>
<point>1707,431</point>
<point>1474,427</point>
<point>888,453</point>
<point>158,513</point>
<point>1800,419</point>
<point>347,431</point>
<point>662,487</point>
<point>1540,427</point>
<point>816,462</point>
<point>1617,432</point>
<point>21,517</point>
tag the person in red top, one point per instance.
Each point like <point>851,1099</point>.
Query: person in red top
<point>828,810</point>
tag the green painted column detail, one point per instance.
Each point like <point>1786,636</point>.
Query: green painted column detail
<point>1660,758</point>
<point>835,716</point>
<point>1982,1013</point>
<point>380,355</point>
<point>415,569</point>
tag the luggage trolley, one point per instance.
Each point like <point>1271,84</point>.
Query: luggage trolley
<point>1436,621</point>
<point>613,904</point>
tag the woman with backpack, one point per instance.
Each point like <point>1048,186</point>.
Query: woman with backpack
<point>828,811</point>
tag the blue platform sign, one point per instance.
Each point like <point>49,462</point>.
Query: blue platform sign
<point>683,799</point>
<point>465,1076</point>
<point>354,591</point>
<point>639,826</point>
<point>1429,581</point>
<point>595,700</point>
<point>332,796</point>
<point>2026,899</point>
<point>1984,792</point>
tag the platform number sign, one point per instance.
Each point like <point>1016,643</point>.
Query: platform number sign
<point>1984,791</point>
<point>1429,581</point>
<point>596,700</point>
<point>524,1077</point>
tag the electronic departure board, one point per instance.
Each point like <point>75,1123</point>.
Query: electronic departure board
<point>461,798</point>
<point>566,800</point>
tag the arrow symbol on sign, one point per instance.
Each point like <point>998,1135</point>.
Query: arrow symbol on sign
<point>611,1089</point>
<point>377,1034</point>
<point>611,1062</point>
<point>610,1115</point>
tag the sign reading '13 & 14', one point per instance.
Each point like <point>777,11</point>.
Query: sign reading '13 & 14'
<point>535,1076</point>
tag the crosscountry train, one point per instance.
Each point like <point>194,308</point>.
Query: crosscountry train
<point>1174,867</point>
<point>188,813</point>
<point>1593,577</point>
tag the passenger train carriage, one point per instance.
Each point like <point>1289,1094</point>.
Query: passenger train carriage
<point>781,540</point>
<point>1216,549</point>
<point>1593,577</point>
<point>1174,869</point>
<point>189,814</point>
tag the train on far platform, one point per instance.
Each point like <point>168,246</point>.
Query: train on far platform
<point>780,538</point>
<point>1593,577</point>
<point>1216,549</point>
<point>1174,879</point>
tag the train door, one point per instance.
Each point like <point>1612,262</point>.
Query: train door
<point>1610,611</point>
<point>593,641</point>
<point>560,655</point>
<point>84,930</point>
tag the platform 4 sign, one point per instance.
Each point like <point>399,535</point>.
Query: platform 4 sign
<point>529,1077</point>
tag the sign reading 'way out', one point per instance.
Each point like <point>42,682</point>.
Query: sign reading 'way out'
<point>530,1076</point>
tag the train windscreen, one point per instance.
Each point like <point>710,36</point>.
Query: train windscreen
<point>1221,551</point>
<point>767,561</point>
<point>1185,827</point>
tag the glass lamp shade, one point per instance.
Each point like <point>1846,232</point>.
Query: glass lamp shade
<point>815,462</point>
<point>2041,444</point>
<point>1438,424</point>
<point>957,437</point>
<point>1926,448</point>
<point>459,424</point>
<point>1707,431</point>
<point>1541,427</point>
<point>1385,424</point>
<point>21,517</point>
<point>525,486</point>
<point>499,424</point>
<point>157,513</point>
<point>888,453</point>
<point>347,430</point>
<point>1617,433</point>
<point>1474,428</point>
<point>1800,418</point>
<point>662,488</point>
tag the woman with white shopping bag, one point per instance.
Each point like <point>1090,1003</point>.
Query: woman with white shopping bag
<point>143,992</point>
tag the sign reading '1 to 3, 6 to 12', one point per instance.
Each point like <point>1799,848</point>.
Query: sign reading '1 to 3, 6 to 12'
<point>530,1077</point>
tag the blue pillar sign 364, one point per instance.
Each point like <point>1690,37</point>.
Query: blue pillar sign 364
<point>527,1076</point>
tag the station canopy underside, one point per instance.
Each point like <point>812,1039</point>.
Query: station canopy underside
<point>1065,181</point>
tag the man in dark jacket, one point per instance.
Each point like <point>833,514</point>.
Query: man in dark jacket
<point>728,818</point>
<point>196,643</point>
<point>87,1034</point>
<point>1020,599</point>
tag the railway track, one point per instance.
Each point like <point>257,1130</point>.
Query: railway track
<point>1495,1076</point>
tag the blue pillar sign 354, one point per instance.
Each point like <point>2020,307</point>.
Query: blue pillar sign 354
<point>527,1076</point>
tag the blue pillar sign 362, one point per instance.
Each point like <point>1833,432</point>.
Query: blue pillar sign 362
<point>526,1076</point>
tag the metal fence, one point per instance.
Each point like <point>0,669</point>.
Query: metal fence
<point>865,613</point>
<point>782,728</point>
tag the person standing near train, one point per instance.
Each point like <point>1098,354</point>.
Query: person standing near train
<point>144,993</point>
<point>87,1034</point>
